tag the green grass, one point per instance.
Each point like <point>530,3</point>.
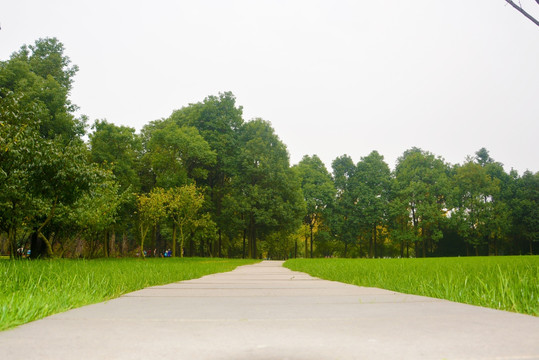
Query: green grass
<point>505,282</point>
<point>31,290</point>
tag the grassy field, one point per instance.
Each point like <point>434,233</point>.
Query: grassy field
<point>30,290</point>
<point>503,282</point>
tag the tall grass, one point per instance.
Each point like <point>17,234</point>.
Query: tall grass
<point>30,290</point>
<point>507,283</point>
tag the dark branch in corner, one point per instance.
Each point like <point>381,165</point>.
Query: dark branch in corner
<point>523,12</point>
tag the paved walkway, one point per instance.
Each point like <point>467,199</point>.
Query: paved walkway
<point>265,311</point>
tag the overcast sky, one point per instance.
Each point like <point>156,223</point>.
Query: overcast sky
<point>333,77</point>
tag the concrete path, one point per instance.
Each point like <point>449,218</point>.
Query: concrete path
<point>265,311</point>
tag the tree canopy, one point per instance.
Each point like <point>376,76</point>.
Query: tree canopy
<point>205,182</point>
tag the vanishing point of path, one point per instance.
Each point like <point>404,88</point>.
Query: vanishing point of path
<point>265,311</point>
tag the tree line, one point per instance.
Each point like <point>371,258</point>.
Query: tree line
<point>204,182</point>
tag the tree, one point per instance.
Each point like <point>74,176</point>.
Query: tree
<point>526,208</point>
<point>120,148</point>
<point>19,141</point>
<point>218,120</point>
<point>344,214</point>
<point>372,182</point>
<point>178,155</point>
<point>183,206</point>
<point>39,174</point>
<point>501,219</point>
<point>46,157</point>
<point>98,209</point>
<point>46,58</point>
<point>271,190</point>
<point>151,208</point>
<point>482,157</point>
<point>42,73</point>
<point>61,175</point>
<point>421,189</point>
<point>475,191</point>
<point>402,230</point>
<point>318,191</point>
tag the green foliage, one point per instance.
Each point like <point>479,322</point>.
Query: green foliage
<point>421,188</point>
<point>38,174</point>
<point>475,190</point>
<point>31,290</point>
<point>183,205</point>
<point>178,155</point>
<point>46,58</point>
<point>318,191</point>
<point>98,208</point>
<point>120,148</point>
<point>41,72</point>
<point>526,208</point>
<point>218,120</point>
<point>506,283</point>
<point>19,141</point>
<point>54,189</point>
<point>150,210</point>
<point>272,198</point>
<point>371,183</point>
<point>344,215</point>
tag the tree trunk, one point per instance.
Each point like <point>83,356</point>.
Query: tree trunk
<point>174,239</point>
<point>370,247</point>
<point>306,255</point>
<point>250,241</point>
<point>201,251</point>
<point>255,253</point>
<point>296,249</point>
<point>219,245</point>
<point>192,247</point>
<point>158,240</point>
<point>36,246</point>
<point>374,240</point>
<point>48,247</point>
<point>153,240</point>
<point>311,226</point>
<point>125,247</point>
<point>143,232</point>
<point>181,241</point>
<point>252,238</point>
<point>244,236</point>
<point>105,244</point>
<point>12,242</point>
<point>112,243</point>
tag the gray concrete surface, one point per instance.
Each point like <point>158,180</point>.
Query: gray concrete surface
<point>265,311</point>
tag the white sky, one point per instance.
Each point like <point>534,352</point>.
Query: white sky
<point>334,77</point>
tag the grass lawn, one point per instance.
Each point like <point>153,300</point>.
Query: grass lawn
<point>31,290</point>
<point>500,282</point>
